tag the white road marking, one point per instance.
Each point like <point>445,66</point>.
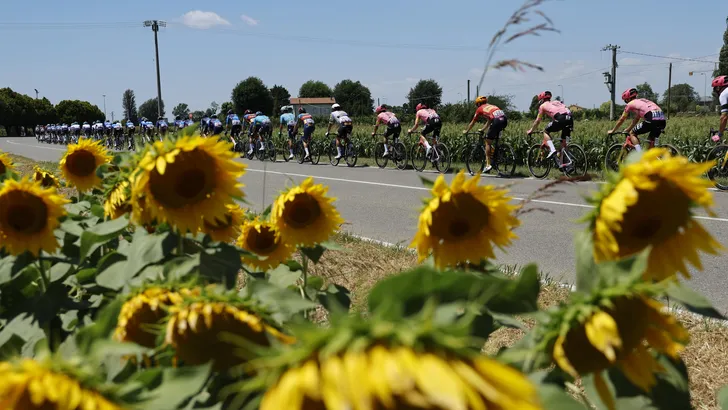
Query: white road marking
<point>356,181</point>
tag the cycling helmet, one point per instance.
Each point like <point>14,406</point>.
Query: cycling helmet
<point>160,118</point>
<point>420,106</point>
<point>629,95</point>
<point>214,116</point>
<point>481,100</point>
<point>720,82</point>
<point>335,107</point>
<point>544,96</point>
<point>230,112</point>
<point>248,112</point>
<point>301,110</point>
<point>258,113</point>
<point>381,108</point>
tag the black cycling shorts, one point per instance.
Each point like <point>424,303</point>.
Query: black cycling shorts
<point>496,128</point>
<point>291,135</point>
<point>653,127</point>
<point>434,126</point>
<point>393,129</point>
<point>563,123</point>
<point>308,132</point>
<point>344,130</point>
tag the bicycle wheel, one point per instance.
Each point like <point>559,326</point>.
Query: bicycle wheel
<point>538,163</point>
<point>442,154</point>
<point>314,150</point>
<point>615,156</point>
<point>475,159</point>
<point>270,151</point>
<point>352,154</point>
<point>505,160</point>
<point>379,155</point>
<point>418,153</point>
<point>671,148</point>
<point>295,150</point>
<point>399,155</point>
<point>577,156</point>
<point>719,172</point>
<point>299,152</point>
<point>333,152</point>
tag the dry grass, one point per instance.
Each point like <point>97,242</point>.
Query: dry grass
<point>24,166</point>
<point>362,264</point>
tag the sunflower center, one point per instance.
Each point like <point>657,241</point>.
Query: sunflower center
<point>81,163</point>
<point>461,218</point>
<point>23,213</point>
<point>657,215</point>
<point>263,242</point>
<point>303,211</point>
<point>189,180</point>
<point>3,168</point>
<point>220,224</point>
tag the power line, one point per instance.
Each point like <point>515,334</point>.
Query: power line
<point>670,58</point>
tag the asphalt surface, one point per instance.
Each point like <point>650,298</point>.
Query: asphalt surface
<point>383,204</point>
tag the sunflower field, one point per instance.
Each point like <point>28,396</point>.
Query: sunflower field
<point>152,287</point>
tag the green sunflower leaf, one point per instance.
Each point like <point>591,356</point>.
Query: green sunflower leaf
<point>554,397</point>
<point>723,398</point>
<point>693,301</point>
<point>427,182</point>
<point>176,387</point>
<point>586,267</point>
<point>314,253</point>
<point>97,235</point>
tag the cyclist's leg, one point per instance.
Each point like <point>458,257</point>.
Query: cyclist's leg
<point>566,138</point>
<point>554,126</point>
<point>643,127</point>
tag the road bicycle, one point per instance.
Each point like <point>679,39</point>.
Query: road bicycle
<point>439,156</point>
<point>350,152</point>
<point>618,152</point>
<point>396,151</point>
<point>314,151</point>
<point>570,160</point>
<point>504,160</point>
<point>269,150</point>
<point>719,172</point>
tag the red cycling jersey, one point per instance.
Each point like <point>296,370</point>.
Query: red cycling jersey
<point>489,111</point>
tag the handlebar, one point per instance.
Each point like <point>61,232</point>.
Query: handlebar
<point>619,133</point>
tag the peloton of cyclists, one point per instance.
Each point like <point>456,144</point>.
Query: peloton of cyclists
<point>289,120</point>
<point>495,122</point>
<point>309,126</point>
<point>653,119</point>
<point>561,120</point>
<point>394,127</point>
<point>346,127</point>
<point>432,122</point>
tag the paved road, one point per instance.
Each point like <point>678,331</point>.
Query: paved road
<point>384,205</point>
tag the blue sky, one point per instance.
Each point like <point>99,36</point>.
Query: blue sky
<point>81,49</point>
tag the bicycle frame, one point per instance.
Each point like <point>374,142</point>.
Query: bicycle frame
<point>544,144</point>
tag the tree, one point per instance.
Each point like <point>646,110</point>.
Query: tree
<point>723,58</point>
<point>149,108</point>
<point>683,98</point>
<point>197,115</point>
<point>214,107</point>
<point>645,91</point>
<point>354,97</point>
<point>226,106</point>
<point>427,92</point>
<point>533,108</point>
<point>76,110</point>
<point>281,97</point>
<point>314,89</point>
<point>181,110</point>
<point>128,102</point>
<point>252,94</point>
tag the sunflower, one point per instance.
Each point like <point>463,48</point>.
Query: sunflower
<point>196,330</point>
<point>264,240</point>
<point>117,201</point>
<point>188,182</point>
<point>6,164</point>
<point>620,332</point>
<point>462,222</point>
<point>304,215</point>
<point>651,206</point>
<point>143,311</point>
<point>28,216</point>
<point>80,162</point>
<point>227,229</point>
<point>32,385</point>
<point>377,363</point>
<point>46,179</point>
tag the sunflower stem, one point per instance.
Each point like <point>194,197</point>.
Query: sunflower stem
<point>180,244</point>
<point>44,281</point>
<point>304,280</point>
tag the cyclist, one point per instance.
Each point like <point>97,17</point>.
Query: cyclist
<point>130,128</point>
<point>261,126</point>
<point>495,122</point>
<point>75,130</point>
<point>204,125</point>
<point>433,125</point>
<point>189,122</point>
<point>118,133</point>
<point>86,127</point>
<point>340,117</point>
<point>162,127</point>
<point>289,120</point>
<point>561,120</point>
<point>309,126</point>
<point>108,129</point>
<point>393,126</point>
<point>720,88</point>
<point>214,126</point>
<point>179,123</point>
<point>64,132</point>
<point>651,114</point>
<point>233,122</point>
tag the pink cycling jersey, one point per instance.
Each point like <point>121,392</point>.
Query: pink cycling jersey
<point>641,106</point>
<point>553,108</point>
<point>387,117</point>
<point>427,113</point>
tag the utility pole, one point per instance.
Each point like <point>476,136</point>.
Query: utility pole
<point>36,93</point>
<point>669,86</point>
<point>468,91</point>
<point>104,105</point>
<point>155,24</point>
<point>477,91</point>
<point>112,116</point>
<point>610,79</point>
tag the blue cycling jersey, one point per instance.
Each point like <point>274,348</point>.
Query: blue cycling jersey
<point>162,123</point>
<point>216,122</point>
<point>189,122</point>
<point>231,118</point>
<point>261,119</point>
<point>107,124</point>
<point>129,124</point>
<point>205,120</point>
<point>288,119</point>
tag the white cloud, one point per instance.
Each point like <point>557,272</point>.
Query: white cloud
<point>203,19</point>
<point>249,20</point>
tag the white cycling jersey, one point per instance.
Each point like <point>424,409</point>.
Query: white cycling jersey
<point>340,117</point>
<point>723,101</point>
<point>86,126</point>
